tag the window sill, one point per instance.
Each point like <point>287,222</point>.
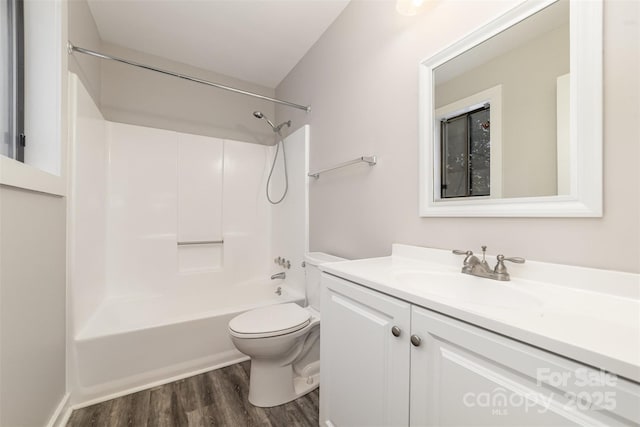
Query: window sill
<point>20,175</point>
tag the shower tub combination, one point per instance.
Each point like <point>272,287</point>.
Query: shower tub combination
<point>165,249</point>
<point>131,344</point>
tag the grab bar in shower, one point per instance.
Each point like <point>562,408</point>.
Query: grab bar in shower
<point>201,242</point>
<point>372,160</point>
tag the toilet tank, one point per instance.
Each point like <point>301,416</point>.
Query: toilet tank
<point>312,275</point>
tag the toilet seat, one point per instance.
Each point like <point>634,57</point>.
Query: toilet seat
<point>270,321</point>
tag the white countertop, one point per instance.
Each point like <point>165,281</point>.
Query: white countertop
<point>589,315</point>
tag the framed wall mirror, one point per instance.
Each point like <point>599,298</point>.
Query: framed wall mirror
<point>511,116</point>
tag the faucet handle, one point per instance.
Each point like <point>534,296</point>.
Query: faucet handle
<point>516,259</point>
<point>501,268</point>
<point>459,252</point>
<point>468,254</point>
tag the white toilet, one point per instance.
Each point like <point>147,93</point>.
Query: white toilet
<point>283,342</point>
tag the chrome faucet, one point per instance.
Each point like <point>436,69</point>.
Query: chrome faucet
<point>281,275</point>
<point>473,266</point>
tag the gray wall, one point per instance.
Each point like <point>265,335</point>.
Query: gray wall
<point>130,95</point>
<point>32,306</point>
<point>528,103</point>
<point>84,33</point>
<point>141,97</point>
<point>361,79</point>
<point>33,276</point>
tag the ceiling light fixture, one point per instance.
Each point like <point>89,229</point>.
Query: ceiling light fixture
<point>408,7</point>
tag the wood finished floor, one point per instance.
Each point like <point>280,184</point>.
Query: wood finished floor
<point>215,398</point>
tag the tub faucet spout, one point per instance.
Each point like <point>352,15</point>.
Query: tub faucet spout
<point>281,275</point>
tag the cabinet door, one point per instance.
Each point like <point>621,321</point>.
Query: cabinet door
<point>465,375</point>
<point>364,367</point>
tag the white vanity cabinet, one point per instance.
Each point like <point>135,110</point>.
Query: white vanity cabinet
<point>441,371</point>
<point>367,369</point>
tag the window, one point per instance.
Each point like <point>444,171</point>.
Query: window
<point>466,154</point>
<point>468,146</point>
<point>32,83</point>
<point>12,76</point>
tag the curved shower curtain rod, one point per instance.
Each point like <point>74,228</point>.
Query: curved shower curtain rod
<point>71,48</point>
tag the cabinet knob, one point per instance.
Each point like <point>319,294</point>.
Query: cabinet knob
<point>395,331</point>
<point>416,340</point>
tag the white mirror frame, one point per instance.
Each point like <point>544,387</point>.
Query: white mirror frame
<point>585,123</point>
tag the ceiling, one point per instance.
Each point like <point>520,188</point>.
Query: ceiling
<point>258,41</point>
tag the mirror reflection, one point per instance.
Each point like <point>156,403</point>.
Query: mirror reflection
<point>502,113</point>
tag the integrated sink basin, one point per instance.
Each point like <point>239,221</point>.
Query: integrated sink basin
<point>468,289</point>
<point>585,314</point>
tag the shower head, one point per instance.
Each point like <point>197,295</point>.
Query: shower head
<point>259,115</point>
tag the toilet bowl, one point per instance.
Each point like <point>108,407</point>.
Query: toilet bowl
<point>283,342</point>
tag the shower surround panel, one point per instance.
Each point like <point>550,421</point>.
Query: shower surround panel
<point>144,308</point>
<point>158,196</point>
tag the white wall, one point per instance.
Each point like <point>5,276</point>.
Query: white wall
<point>144,212</point>
<point>141,209</point>
<point>289,219</point>
<point>86,204</point>
<point>246,214</point>
<point>361,79</point>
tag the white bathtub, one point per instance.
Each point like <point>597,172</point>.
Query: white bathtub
<point>132,343</point>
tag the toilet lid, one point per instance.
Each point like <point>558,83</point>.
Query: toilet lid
<point>272,320</point>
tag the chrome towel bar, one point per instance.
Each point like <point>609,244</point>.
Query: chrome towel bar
<point>201,242</point>
<point>372,160</point>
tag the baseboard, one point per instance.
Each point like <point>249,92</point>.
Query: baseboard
<point>62,413</point>
<point>155,384</point>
